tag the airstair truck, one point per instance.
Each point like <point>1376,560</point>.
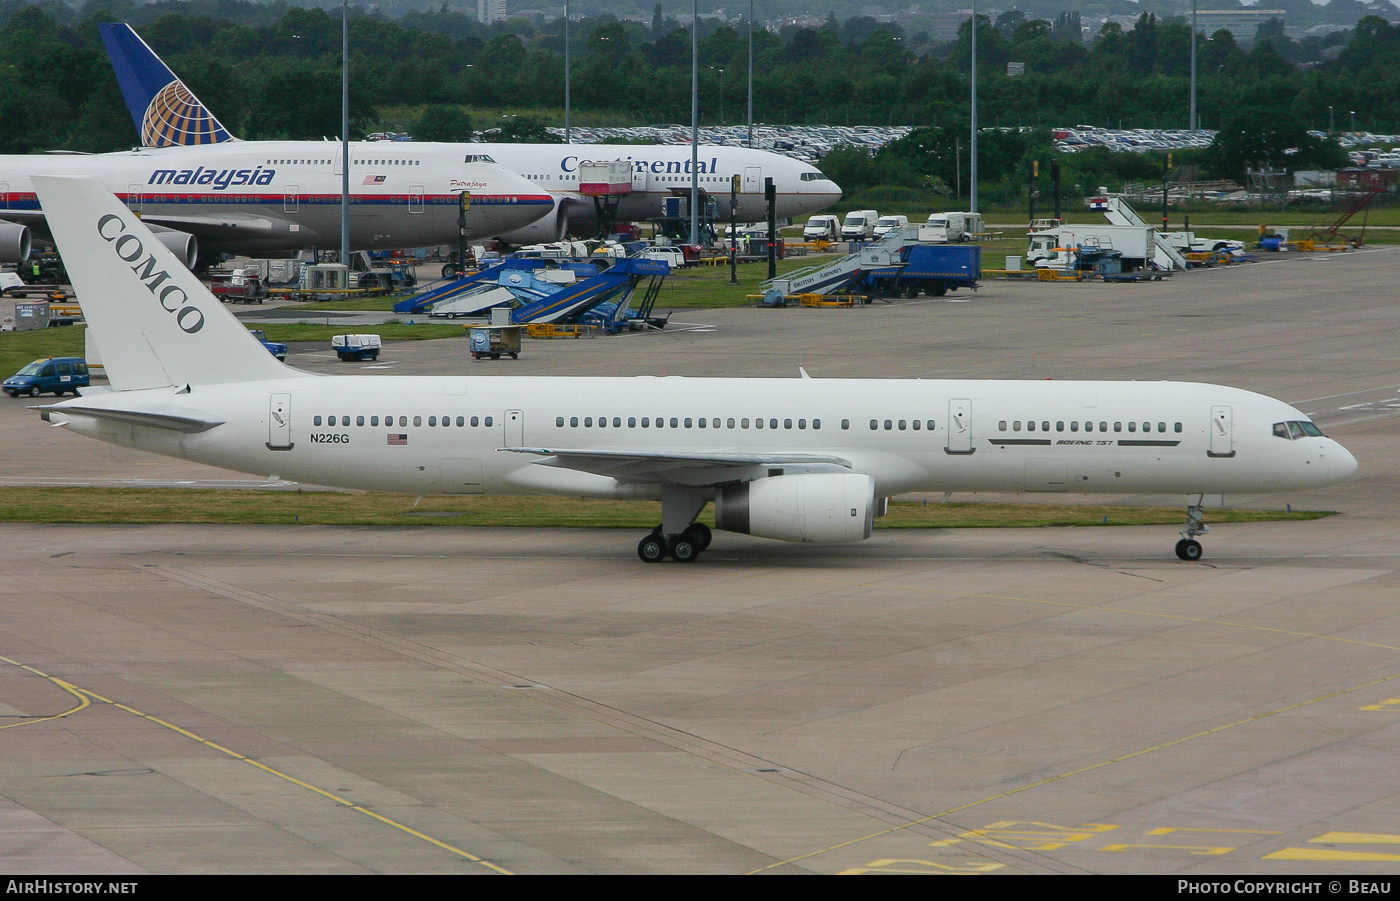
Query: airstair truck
<point>1137,244</point>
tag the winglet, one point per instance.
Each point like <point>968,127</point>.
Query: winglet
<point>804,372</point>
<point>166,113</point>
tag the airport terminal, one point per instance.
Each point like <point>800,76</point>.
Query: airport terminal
<point>798,675</point>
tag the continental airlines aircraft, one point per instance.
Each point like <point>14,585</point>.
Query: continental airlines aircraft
<point>809,460</point>
<point>167,113</point>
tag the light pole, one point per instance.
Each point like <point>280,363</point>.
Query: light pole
<point>972,173</point>
<point>1353,121</point>
<point>1331,122</point>
<point>345,135</point>
<point>721,92</point>
<point>568,128</point>
<point>694,120</point>
<point>750,73</point>
<point>1195,123</point>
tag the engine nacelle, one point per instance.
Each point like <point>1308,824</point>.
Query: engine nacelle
<point>14,242</point>
<point>184,245</point>
<point>549,228</point>
<point>821,508</point>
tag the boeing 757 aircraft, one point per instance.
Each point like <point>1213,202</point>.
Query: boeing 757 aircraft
<point>808,460</point>
<point>166,113</point>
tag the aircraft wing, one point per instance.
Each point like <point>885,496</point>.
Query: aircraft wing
<point>216,226</point>
<point>682,467</point>
<point>211,228</point>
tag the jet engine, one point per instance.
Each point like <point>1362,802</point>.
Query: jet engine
<point>821,508</point>
<point>549,228</point>
<point>184,245</point>
<point>14,242</point>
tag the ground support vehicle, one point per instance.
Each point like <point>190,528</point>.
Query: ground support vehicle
<point>494,340</point>
<point>276,348</point>
<point>900,264</point>
<point>931,269</point>
<point>56,375</point>
<point>354,348</point>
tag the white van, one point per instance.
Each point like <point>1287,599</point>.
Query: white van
<point>949,227</point>
<point>859,225</point>
<point>822,228</point>
<point>885,223</point>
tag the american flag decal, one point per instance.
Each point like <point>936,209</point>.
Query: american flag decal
<point>375,179</point>
<point>398,439</point>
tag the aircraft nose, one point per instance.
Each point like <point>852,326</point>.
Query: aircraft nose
<point>1341,464</point>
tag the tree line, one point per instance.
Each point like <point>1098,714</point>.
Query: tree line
<point>272,71</point>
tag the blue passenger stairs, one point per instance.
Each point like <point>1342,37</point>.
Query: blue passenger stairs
<point>421,303</point>
<point>573,301</point>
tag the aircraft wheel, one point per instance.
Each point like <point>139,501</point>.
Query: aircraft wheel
<point>652,549</point>
<point>684,549</point>
<point>1189,549</point>
<point>699,534</point>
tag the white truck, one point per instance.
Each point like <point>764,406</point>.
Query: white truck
<point>885,223</point>
<point>949,228</point>
<point>859,225</point>
<point>1137,244</point>
<point>822,228</point>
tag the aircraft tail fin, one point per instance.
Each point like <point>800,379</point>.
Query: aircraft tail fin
<point>153,322</point>
<point>166,113</point>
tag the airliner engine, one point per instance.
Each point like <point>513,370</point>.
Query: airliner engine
<point>14,242</point>
<point>184,245</point>
<point>822,508</point>
<point>551,227</point>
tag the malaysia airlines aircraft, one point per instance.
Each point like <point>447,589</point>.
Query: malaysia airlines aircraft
<point>167,113</point>
<point>278,196</point>
<point>808,460</point>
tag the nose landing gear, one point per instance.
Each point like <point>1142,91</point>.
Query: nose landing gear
<point>1188,548</point>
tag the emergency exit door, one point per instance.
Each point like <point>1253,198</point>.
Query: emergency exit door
<point>1222,438</point>
<point>279,422</point>
<point>959,427</point>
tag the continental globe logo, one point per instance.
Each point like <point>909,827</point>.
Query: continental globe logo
<point>175,118</point>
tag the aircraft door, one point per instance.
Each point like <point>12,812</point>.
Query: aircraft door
<point>135,194</point>
<point>291,198</point>
<point>753,180</point>
<point>279,422</point>
<point>959,427</point>
<point>1222,439</point>
<point>415,198</point>
<point>515,428</point>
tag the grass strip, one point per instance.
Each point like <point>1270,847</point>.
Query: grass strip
<point>282,507</point>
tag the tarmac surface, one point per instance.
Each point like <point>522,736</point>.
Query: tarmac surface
<point>193,699</point>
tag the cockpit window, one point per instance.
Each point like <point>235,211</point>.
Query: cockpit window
<point>1296,429</point>
<point>813,176</point>
<point>478,158</point>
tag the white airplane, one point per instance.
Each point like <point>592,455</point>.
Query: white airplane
<point>166,113</point>
<point>809,460</point>
<point>277,196</point>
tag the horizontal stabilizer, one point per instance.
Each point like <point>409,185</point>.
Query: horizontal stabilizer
<point>182,422</point>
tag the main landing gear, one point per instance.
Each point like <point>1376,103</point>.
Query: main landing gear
<point>679,536</point>
<point>1188,548</point>
<point>682,548</point>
